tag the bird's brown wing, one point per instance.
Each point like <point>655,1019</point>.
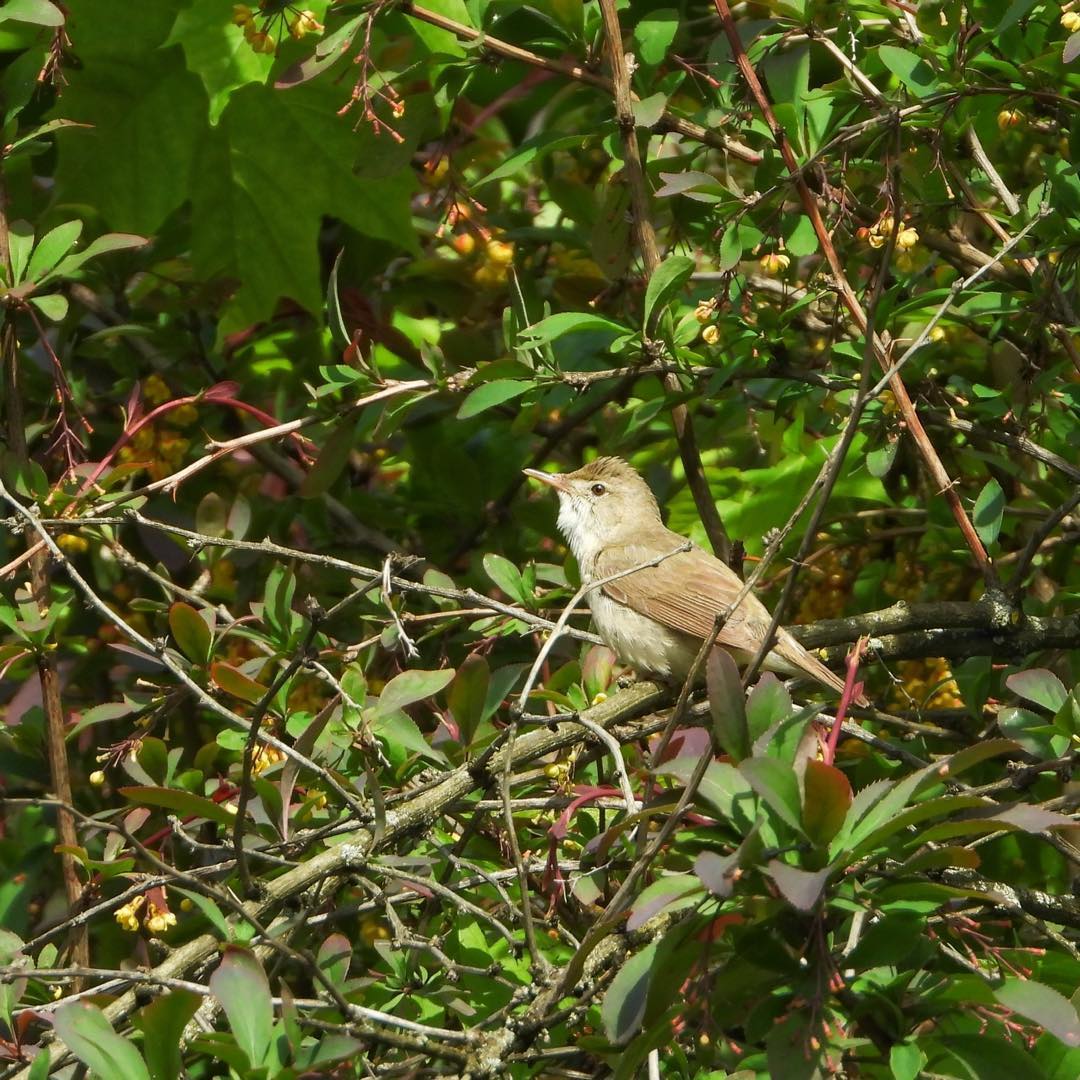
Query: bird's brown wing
<point>684,592</point>
<point>689,589</point>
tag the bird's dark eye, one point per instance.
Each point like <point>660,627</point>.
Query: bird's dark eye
<point>598,489</point>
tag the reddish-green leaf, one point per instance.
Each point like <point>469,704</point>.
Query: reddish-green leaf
<point>624,1003</point>
<point>677,890</point>
<point>235,682</point>
<point>826,798</point>
<point>776,783</point>
<point>335,955</point>
<point>467,695</point>
<point>727,702</point>
<point>1040,686</point>
<point>240,985</point>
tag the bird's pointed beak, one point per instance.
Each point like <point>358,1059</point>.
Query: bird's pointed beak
<point>555,480</point>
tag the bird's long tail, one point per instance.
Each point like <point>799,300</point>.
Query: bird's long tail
<point>791,651</point>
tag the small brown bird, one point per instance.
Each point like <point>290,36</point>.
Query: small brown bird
<point>655,618</point>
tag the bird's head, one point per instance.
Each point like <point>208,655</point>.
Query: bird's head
<point>602,503</point>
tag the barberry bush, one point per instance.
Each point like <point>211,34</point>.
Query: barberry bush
<point>310,762</point>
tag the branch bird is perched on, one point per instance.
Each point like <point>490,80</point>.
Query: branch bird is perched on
<point>656,617</point>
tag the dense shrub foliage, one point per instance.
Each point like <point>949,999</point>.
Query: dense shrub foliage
<point>292,786</point>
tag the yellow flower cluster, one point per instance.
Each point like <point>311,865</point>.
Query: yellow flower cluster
<point>1071,21</point>
<point>878,236</point>
<point>158,920</point>
<point>72,544</point>
<point>260,38</point>
<point>128,915</point>
<point>494,269</point>
<point>774,263</point>
<point>264,757</point>
<point>830,579</point>
<point>920,677</point>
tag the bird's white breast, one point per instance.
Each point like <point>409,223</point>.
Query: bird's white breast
<point>639,641</point>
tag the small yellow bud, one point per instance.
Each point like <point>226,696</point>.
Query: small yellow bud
<point>304,23</point>
<point>906,239</point>
<point>242,15</point>
<point>464,244</point>
<point>711,334</point>
<point>937,334</point>
<point>499,253</point>
<point>875,240</point>
<point>599,698</point>
<point>261,42</point>
<point>72,544</point>
<point>1010,118</point>
<point>97,778</point>
<point>774,263</point>
<point>1071,21</point>
<point>704,311</point>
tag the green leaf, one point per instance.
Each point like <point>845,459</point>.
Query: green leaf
<point>529,151</point>
<point>162,1023</point>
<point>777,784</point>
<point>566,322</point>
<point>20,244</point>
<point>768,705</point>
<point>89,1036</point>
<point>402,737</point>
<point>654,33</point>
<point>989,1057</point>
<point>53,306</point>
<point>185,803</point>
<point>826,799</point>
<point>670,276</point>
<point>265,235</point>
<point>727,704</point>
<point>412,686</point>
<point>488,395</point>
<point>1042,1004</point>
<point>879,462</point>
<point>101,246</point>
<point>989,508</point>
<point>623,1007</point>
<point>802,239</point>
<point>191,632</point>
<point>217,52</point>
<point>332,458</point>
<point>235,682</point>
<point>134,170</point>
<point>52,247</point>
<point>800,888</point>
<point>242,989</point>
<point>508,578</point>
<point>38,12</point>
<point>906,1061</point>
<point>914,72</point>
<point>1040,686</point>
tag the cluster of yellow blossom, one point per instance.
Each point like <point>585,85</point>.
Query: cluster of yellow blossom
<point>495,263</point>
<point>264,757</point>
<point>929,675</point>
<point>160,445</point>
<point>829,580</point>
<point>1071,21</point>
<point>260,38</point>
<point>878,235</point>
